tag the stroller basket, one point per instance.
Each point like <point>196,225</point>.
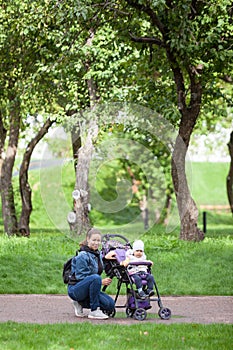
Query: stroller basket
<point>135,306</point>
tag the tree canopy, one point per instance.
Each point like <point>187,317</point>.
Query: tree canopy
<point>172,56</point>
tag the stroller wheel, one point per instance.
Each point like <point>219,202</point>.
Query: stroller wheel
<point>129,312</point>
<point>164,313</point>
<point>140,314</point>
<point>110,313</point>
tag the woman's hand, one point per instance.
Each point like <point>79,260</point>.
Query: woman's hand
<point>106,281</point>
<point>110,255</point>
<point>124,263</point>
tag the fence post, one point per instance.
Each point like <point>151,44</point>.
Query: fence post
<point>204,221</point>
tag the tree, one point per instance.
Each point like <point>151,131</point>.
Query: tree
<point>148,165</point>
<point>27,49</point>
<point>44,70</point>
<point>8,204</point>
<point>193,40</point>
<point>150,52</point>
<point>230,174</point>
<point>100,80</point>
<point>25,189</point>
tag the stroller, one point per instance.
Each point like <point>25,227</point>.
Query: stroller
<point>135,306</point>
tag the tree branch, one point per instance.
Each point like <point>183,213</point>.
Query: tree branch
<point>25,189</point>
<point>169,4</point>
<point>147,9</point>
<point>227,79</point>
<point>196,89</point>
<point>147,40</point>
<point>178,75</point>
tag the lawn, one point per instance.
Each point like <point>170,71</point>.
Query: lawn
<point>52,198</point>
<point>34,265</point>
<point>142,336</point>
<point>207,182</point>
<point>179,267</point>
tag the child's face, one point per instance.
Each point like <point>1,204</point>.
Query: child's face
<point>138,253</point>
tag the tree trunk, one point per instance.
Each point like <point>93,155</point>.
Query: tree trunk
<point>7,194</point>
<point>25,189</point>
<point>189,92</point>
<point>143,204</point>
<point>230,174</point>
<point>187,208</point>
<point>164,216</point>
<point>76,144</point>
<point>3,133</point>
<point>81,199</point>
<point>188,211</point>
<point>75,138</point>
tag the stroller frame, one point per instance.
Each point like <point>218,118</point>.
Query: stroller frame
<point>135,306</point>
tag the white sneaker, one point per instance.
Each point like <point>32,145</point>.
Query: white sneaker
<point>78,309</point>
<point>97,314</point>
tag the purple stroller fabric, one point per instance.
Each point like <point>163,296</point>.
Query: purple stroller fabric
<point>120,254</point>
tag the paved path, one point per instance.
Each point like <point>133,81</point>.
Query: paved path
<point>43,309</point>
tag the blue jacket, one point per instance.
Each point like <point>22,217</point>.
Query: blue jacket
<point>85,264</point>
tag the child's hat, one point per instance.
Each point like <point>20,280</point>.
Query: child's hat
<point>138,245</point>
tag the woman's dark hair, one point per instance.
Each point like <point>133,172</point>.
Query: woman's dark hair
<point>92,231</point>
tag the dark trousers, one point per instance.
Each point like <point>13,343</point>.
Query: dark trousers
<point>137,278</point>
<point>88,293</point>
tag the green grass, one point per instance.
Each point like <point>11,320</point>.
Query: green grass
<point>179,267</point>
<point>207,182</point>
<point>35,265</point>
<point>218,225</point>
<point>143,336</point>
<point>52,198</point>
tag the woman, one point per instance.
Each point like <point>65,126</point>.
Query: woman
<point>87,267</point>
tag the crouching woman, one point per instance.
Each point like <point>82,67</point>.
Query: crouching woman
<point>85,287</point>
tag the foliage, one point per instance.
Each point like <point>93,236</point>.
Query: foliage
<point>199,35</point>
<point>194,38</point>
<point>205,191</point>
<point>59,147</point>
<point>27,48</point>
<point>46,59</point>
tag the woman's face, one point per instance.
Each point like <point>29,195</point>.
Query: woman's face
<point>94,241</point>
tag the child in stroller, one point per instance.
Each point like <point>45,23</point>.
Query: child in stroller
<point>136,306</point>
<point>139,272</point>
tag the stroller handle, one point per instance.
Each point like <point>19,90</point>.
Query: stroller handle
<point>108,236</point>
<point>146,263</point>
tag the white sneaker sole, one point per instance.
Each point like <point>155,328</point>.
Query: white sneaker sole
<point>80,315</point>
<point>77,314</point>
<point>98,317</point>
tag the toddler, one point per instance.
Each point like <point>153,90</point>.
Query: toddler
<point>137,255</point>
